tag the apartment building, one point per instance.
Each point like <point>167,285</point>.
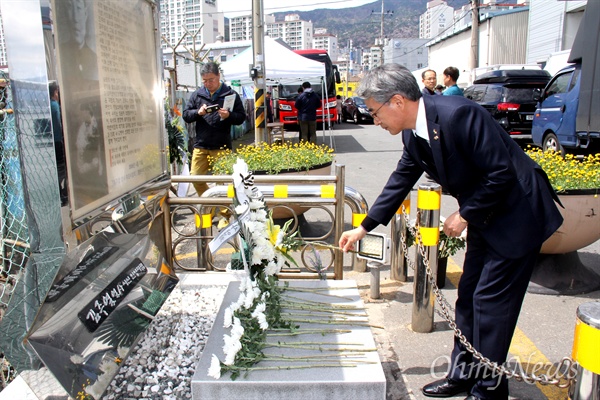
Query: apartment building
<point>240,28</point>
<point>327,41</point>
<point>436,19</point>
<point>194,15</point>
<point>298,34</point>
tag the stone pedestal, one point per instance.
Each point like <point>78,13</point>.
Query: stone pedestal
<point>364,381</point>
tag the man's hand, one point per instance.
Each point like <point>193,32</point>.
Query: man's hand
<point>202,110</point>
<point>454,225</point>
<point>224,113</point>
<point>350,237</point>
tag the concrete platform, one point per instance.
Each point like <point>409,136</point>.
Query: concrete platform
<point>364,381</point>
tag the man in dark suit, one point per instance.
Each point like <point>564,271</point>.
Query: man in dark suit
<point>504,197</point>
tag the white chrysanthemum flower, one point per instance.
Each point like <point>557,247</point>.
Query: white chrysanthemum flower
<point>261,214</point>
<point>237,330</point>
<point>262,321</point>
<point>272,268</point>
<point>235,306</point>
<point>250,296</point>
<point>257,292</point>
<point>260,307</point>
<point>215,367</point>
<point>265,296</point>
<point>227,317</point>
<point>256,204</point>
<point>241,298</point>
<point>243,284</point>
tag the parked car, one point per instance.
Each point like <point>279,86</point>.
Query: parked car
<point>554,123</point>
<point>355,109</point>
<point>508,96</point>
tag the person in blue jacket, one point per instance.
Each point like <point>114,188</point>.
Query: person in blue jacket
<point>504,198</point>
<point>307,104</point>
<point>213,124</point>
<point>451,75</point>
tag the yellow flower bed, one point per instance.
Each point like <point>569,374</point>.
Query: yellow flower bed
<point>273,158</point>
<point>568,173</point>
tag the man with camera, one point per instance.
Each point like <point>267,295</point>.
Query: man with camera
<point>211,108</point>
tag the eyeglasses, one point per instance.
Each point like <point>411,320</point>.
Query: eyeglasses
<point>374,113</point>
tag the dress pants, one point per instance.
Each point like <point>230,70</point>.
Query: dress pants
<point>490,295</point>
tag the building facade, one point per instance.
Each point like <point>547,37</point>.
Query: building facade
<point>410,52</point>
<point>200,16</point>
<point>324,40</point>
<point>240,28</point>
<point>437,19</point>
<point>502,40</point>
<point>552,27</point>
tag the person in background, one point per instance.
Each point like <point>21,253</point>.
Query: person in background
<point>429,78</point>
<point>59,144</point>
<point>213,128</point>
<point>504,198</point>
<point>439,89</point>
<point>450,77</point>
<point>307,105</point>
<point>338,108</point>
<point>269,104</point>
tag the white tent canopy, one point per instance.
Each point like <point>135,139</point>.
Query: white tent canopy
<point>282,65</point>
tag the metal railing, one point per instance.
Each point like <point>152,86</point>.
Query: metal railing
<point>302,192</point>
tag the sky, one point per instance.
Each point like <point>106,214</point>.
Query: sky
<point>233,8</point>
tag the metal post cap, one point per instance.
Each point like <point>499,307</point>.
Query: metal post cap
<point>589,314</point>
<point>430,186</point>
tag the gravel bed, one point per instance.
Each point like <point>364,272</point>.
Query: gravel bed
<point>163,362</point>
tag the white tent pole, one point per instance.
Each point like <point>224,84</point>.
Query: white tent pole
<point>323,103</point>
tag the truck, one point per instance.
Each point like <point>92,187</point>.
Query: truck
<point>327,114</point>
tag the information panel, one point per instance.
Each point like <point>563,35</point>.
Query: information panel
<point>111,98</point>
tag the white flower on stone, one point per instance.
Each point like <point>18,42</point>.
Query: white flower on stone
<point>237,330</point>
<point>227,317</point>
<point>215,367</point>
<point>231,348</point>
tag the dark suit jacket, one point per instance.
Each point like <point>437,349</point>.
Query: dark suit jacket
<point>501,191</point>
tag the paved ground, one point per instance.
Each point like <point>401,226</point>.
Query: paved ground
<point>545,330</point>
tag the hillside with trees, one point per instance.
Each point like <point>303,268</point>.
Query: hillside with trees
<point>363,24</point>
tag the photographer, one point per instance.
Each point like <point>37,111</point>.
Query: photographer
<point>213,122</point>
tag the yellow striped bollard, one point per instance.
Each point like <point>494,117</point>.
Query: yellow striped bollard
<point>586,351</point>
<point>428,213</point>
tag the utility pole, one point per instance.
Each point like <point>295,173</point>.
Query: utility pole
<point>257,72</point>
<point>474,56</point>
<point>383,14</point>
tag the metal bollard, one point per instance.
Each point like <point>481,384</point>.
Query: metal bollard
<point>398,262</point>
<point>375,279</point>
<point>428,213</point>
<point>586,352</point>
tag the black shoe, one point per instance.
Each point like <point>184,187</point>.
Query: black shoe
<point>473,397</point>
<point>445,388</point>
